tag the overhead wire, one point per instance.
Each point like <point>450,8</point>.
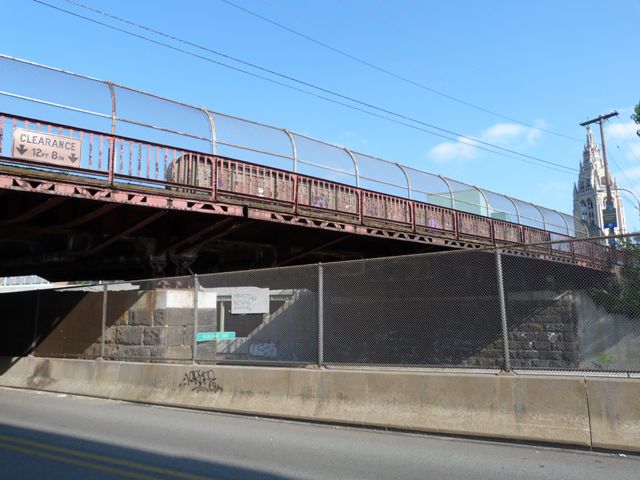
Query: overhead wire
<point>622,171</point>
<point>632,188</point>
<point>631,185</point>
<point>471,141</point>
<point>322,89</point>
<point>635,135</point>
<point>390,73</point>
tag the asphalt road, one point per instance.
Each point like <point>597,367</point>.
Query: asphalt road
<point>53,436</point>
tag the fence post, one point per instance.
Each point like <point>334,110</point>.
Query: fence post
<point>194,346</point>
<point>503,311</point>
<point>111,165</point>
<point>36,317</point>
<point>103,325</point>
<point>320,315</point>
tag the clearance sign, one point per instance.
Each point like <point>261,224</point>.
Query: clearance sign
<point>45,147</point>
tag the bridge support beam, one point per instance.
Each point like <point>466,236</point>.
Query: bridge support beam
<point>183,261</point>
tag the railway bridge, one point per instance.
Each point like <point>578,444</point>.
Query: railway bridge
<point>99,180</point>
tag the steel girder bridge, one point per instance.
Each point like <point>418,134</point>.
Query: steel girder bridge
<point>102,180</point>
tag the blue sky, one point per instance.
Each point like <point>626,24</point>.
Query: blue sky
<point>549,64</point>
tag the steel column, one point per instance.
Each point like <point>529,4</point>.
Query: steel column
<point>515,205</point>
<point>35,323</point>
<point>565,222</point>
<point>544,220</point>
<point>503,311</point>
<point>212,130</point>
<point>194,347</point>
<point>113,107</point>
<point>446,182</point>
<point>320,315</point>
<point>406,177</point>
<point>103,326</point>
<point>294,148</point>
<point>355,166</point>
<point>486,200</point>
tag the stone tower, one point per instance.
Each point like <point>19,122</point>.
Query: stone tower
<point>590,193</point>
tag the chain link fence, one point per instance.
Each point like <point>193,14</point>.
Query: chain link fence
<point>539,308</point>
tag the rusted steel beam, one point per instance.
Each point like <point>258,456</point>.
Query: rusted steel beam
<point>156,199</point>
<point>37,210</point>
<point>233,228</point>
<point>124,233</point>
<point>311,250</point>
<point>98,212</point>
<point>185,240</point>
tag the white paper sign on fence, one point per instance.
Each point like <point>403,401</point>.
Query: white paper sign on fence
<point>250,300</point>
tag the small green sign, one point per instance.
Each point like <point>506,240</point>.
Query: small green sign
<point>609,217</point>
<point>211,336</point>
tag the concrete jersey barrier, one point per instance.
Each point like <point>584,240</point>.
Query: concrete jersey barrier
<point>598,412</point>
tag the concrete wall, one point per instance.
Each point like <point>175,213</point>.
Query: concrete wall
<point>151,324</point>
<point>597,412</point>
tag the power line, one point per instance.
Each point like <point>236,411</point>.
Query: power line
<point>472,141</point>
<point>392,74</point>
<point>629,132</point>
<point>307,84</point>
<point>631,184</point>
<point>635,134</point>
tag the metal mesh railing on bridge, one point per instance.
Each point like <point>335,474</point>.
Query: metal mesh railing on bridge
<point>527,309</point>
<point>153,131</point>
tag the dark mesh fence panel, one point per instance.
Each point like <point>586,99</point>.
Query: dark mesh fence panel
<point>570,306</point>
<point>426,310</point>
<point>18,322</point>
<point>259,316</point>
<point>69,322</point>
<point>564,316</point>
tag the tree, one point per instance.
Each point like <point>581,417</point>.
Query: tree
<point>623,294</point>
<point>636,116</point>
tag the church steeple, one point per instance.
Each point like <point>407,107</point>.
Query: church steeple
<point>590,193</point>
<point>591,157</point>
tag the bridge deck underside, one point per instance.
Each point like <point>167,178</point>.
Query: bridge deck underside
<point>53,226</point>
<point>65,226</point>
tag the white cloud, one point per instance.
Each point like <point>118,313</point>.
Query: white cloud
<point>624,131</point>
<point>512,135</point>
<point>444,151</point>
<point>502,132</point>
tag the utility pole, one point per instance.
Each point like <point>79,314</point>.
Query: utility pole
<point>609,214</point>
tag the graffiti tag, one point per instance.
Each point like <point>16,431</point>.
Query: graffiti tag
<point>201,381</point>
<point>268,350</point>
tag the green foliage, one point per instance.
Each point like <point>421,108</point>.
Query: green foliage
<point>624,296</point>
<point>636,116</point>
<point>604,358</point>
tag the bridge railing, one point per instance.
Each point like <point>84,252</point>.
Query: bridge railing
<point>507,232</point>
<point>107,106</point>
<point>120,160</point>
<point>321,194</point>
<point>434,217</point>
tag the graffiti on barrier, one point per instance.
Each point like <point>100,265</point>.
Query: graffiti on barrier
<point>267,350</point>
<point>201,381</point>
